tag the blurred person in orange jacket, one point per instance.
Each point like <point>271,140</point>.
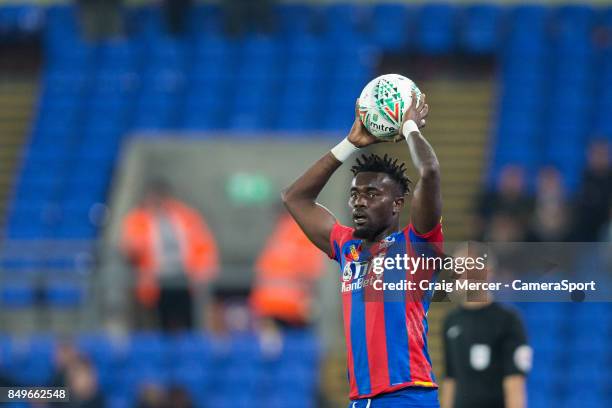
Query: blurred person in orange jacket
<point>173,252</point>
<point>286,276</point>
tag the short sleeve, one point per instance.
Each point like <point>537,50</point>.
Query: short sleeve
<point>517,355</point>
<point>429,244</point>
<point>434,235</point>
<point>338,236</point>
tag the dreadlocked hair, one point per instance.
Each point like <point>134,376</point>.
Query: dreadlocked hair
<point>385,164</point>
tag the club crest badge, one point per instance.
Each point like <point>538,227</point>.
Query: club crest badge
<point>354,253</point>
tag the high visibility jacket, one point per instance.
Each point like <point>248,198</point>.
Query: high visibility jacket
<point>140,235</point>
<point>286,274</point>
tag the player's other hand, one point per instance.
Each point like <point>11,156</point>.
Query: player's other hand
<point>359,135</point>
<point>417,111</point>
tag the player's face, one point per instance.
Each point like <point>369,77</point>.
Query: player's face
<point>375,202</point>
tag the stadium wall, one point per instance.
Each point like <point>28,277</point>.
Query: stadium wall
<point>217,169</point>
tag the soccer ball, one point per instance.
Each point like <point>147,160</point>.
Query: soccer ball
<point>383,102</point>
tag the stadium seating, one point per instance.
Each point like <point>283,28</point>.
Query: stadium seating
<point>564,356</point>
<point>482,28</point>
<point>92,95</point>
<point>202,364</point>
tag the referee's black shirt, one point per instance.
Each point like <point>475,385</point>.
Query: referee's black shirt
<point>482,346</point>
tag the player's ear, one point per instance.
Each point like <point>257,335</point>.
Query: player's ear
<point>398,204</point>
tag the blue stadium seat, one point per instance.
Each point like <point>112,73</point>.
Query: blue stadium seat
<point>17,294</point>
<point>295,20</point>
<point>574,25</point>
<point>65,294</point>
<point>308,46</point>
<point>262,47</point>
<point>26,225</point>
<point>216,47</point>
<point>204,19</point>
<point>200,113</point>
<point>591,399</point>
<point>104,351</point>
<point>256,72</point>
<point>189,347</point>
<point>436,28</point>
<point>148,24</point>
<point>539,398</point>
<point>528,34</point>
<point>355,65</point>
<point>148,353</point>
<point>154,113</point>
<point>74,228</point>
<point>394,34</point>
<point>66,49</point>
<point>112,87</point>
<point>194,376</point>
<point>118,53</point>
<point>168,51</point>
<point>204,71</point>
<point>32,360</point>
<point>534,15</point>
<point>120,400</point>
<point>14,262</point>
<point>20,20</point>
<point>481,28</point>
<point>344,25</point>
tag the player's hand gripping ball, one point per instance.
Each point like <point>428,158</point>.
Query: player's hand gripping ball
<point>383,102</point>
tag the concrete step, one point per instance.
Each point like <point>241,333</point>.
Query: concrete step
<point>8,149</point>
<point>17,101</point>
<point>12,108</point>
<point>12,131</point>
<point>12,138</point>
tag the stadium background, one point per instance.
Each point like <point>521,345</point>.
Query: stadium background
<point>85,123</point>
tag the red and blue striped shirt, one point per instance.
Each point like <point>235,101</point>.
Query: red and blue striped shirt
<point>385,330</point>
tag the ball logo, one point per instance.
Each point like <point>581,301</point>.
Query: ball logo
<point>393,113</point>
<point>384,128</point>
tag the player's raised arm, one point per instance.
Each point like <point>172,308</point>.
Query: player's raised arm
<point>300,197</point>
<point>426,206</point>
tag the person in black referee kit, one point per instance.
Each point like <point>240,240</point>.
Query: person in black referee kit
<point>486,352</point>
